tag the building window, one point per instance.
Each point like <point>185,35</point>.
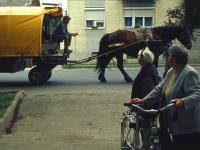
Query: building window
<point>143,22</point>
<point>100,24</point>
<point>138,17</point>
<point>94,24</point>
<point>128,21</point>
<point>148,22</point>
<point>89,23</point>
<point>138,22</point>
<point>94,19</point>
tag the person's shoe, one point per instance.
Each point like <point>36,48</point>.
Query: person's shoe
<point>68,51</point>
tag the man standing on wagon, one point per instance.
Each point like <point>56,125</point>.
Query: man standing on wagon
<point>61,33</point>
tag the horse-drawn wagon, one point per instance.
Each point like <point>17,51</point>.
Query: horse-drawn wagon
<point>25,38</point>
<point>26,34</point>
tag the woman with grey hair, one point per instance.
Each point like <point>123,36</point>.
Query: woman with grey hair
<point>181,86</point>
<point>147,78</point>
<point>145,56</point>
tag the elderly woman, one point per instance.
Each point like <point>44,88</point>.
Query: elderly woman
<point>147,78</point>
<point>182,85</point>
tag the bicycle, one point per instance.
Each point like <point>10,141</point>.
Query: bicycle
<point>139,128</point>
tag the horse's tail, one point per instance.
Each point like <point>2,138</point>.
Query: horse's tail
<point>102,49</point>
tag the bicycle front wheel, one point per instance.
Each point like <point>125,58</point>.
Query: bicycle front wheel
<point>130,138</point>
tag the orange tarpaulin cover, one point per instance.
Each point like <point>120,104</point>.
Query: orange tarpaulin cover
<point>21,30</point>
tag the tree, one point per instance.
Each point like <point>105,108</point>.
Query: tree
<point>188,12</point>
<point>192,13</point>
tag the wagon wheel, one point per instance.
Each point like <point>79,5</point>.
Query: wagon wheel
<point>47,75</point>
<point>36,77</point>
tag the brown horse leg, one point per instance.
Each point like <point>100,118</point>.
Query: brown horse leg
<point>120,66</point>
<point>103,66</point>
<point>101,76</point>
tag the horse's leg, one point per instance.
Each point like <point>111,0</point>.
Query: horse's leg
<point>120,66</point>
<point>103,66</point>
<point>101,76</point>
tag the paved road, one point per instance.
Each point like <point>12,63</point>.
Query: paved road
<point>71,112</point>
<point>68,80</point>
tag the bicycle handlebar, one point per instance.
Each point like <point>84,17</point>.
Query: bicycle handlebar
<point>171,105</point>
<point>134,107</point>
<point>137,108</point>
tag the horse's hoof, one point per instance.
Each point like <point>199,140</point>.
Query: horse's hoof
<point>128,80</point>
<point>103,80</point>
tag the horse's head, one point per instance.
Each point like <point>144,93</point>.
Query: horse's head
<point>171,32</point>
<point>185,37</point>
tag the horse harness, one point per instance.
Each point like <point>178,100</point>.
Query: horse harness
<point>143,34</point>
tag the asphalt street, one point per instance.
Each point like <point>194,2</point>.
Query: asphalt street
<point>68,80</point>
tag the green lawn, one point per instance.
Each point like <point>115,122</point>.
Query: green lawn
<point>5,101</point>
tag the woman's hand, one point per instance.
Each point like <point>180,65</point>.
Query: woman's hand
<point>136,101</point>
<point>177,102</point>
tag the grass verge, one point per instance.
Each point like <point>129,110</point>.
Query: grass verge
<point>5,101</point>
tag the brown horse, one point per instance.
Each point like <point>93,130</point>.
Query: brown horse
<point>164,33</point>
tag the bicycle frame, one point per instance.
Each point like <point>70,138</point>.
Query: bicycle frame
<point>144,132</point>
<point>140,132</point>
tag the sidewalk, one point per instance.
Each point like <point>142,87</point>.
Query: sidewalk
<point>68,121</point>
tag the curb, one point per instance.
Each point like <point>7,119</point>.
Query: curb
<point>10,112</point>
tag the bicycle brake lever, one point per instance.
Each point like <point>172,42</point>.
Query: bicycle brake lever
<point>128,104</point>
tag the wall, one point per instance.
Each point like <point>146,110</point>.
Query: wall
<point>93,36</point>
<point>77,24</point>
<point>94,3</point>
<point>114,15</point>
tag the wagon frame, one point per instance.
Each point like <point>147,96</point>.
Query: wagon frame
<point>25,40</point>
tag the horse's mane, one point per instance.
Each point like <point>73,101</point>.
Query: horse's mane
<point>169,32</point>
